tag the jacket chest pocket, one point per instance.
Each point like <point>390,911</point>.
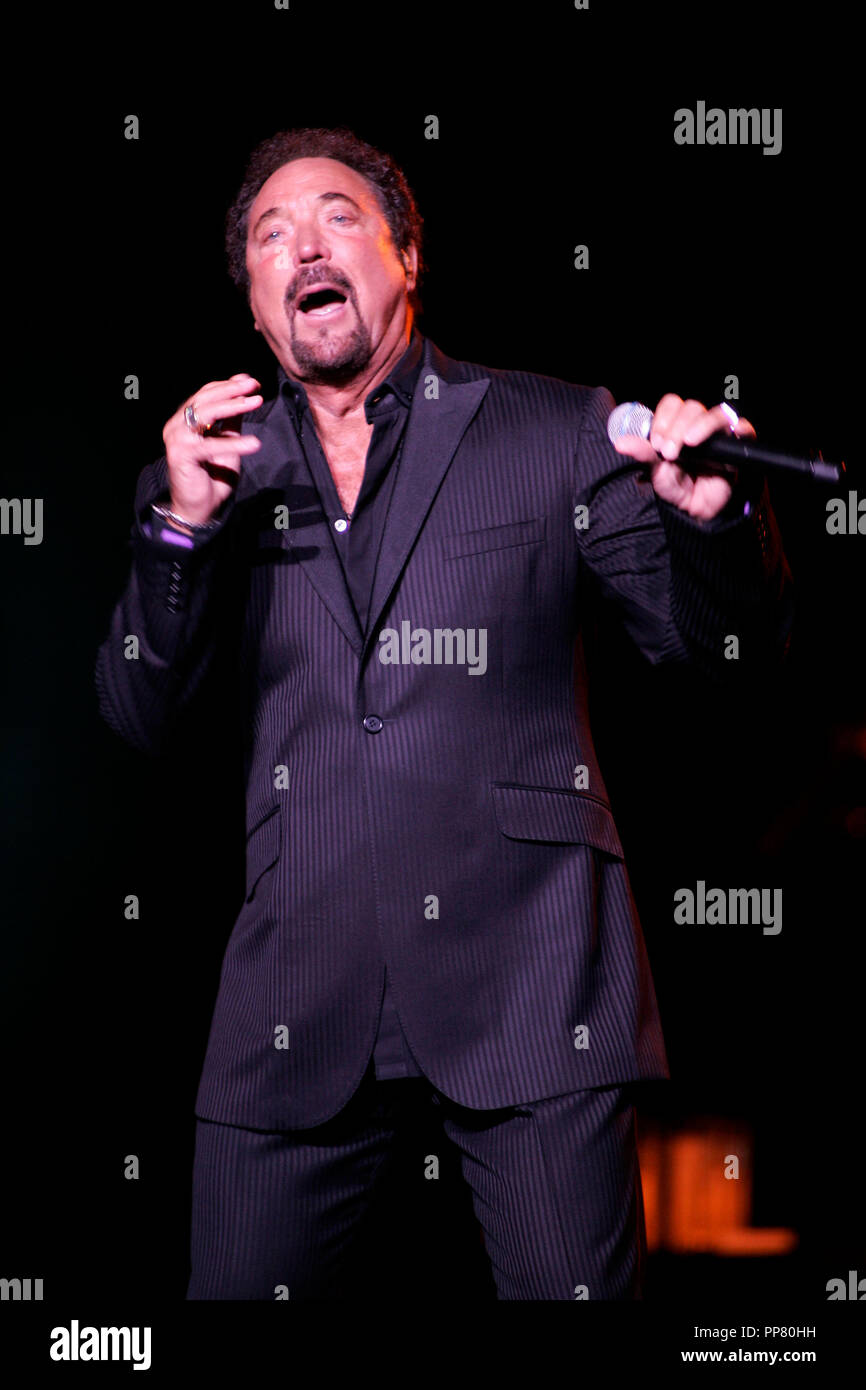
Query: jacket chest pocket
<point>513,533</point>
<point>555,817</point>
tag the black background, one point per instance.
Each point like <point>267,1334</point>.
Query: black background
<point>556,128</point>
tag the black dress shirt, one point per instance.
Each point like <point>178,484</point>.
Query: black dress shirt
<point>357,541</point>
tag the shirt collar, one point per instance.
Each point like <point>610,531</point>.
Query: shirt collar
<point>399,382</point>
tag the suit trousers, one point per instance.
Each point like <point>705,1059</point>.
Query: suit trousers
<point>555,1187</point>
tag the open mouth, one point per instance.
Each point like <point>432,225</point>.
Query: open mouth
<point>321,302</point>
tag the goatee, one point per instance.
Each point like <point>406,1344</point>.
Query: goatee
<point>332,361</point>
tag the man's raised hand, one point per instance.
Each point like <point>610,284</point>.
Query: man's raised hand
<point>203,468</point>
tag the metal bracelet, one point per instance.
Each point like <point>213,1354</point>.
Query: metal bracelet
<point>191,525</point>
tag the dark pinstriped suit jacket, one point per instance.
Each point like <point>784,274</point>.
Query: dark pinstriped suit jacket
<point>445,836</point>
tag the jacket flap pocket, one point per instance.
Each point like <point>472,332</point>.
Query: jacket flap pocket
<point>263,848</point>
<point>494,538</point>
<point>559,817</point>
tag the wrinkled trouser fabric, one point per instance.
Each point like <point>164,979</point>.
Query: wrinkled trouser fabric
<point>555,1186</point>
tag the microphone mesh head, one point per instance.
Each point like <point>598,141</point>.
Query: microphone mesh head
<point>629,418</point>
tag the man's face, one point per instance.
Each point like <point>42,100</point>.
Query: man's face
<point>328,288</point>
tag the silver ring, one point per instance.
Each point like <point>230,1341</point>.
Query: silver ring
<point>192,421</point>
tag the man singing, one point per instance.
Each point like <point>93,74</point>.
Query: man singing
<point>395,553</point>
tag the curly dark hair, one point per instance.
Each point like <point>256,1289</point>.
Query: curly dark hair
<point>393,193</point>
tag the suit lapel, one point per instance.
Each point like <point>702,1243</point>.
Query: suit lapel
<point>281,463</point>
<point>434,430</point>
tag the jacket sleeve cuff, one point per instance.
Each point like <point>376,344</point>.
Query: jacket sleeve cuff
<point>731,586</point>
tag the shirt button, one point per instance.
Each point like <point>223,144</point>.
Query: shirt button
<point>372,724</point>
<point>341,524</point>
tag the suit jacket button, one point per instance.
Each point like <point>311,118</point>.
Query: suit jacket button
<point>372,724</point>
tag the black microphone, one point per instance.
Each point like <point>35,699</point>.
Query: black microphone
<point>632,418</point>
